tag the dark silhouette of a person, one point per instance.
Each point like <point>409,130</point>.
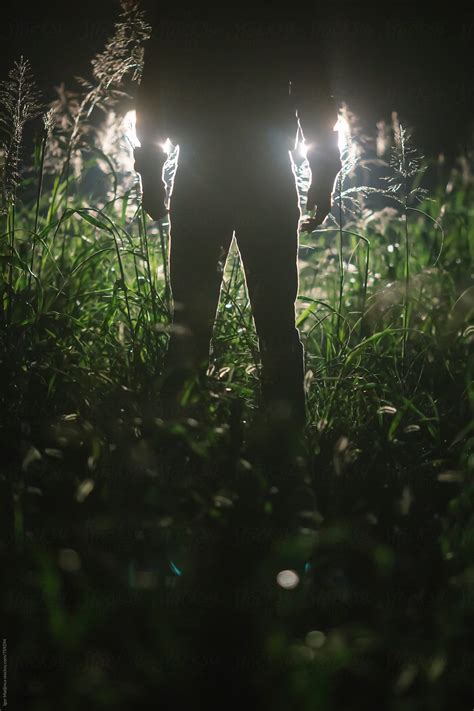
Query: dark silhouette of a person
<point>230,91</point>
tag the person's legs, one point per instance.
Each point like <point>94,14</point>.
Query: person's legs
<point>200,237</point>
<point>268,243</point>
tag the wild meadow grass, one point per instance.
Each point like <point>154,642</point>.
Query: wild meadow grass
<point>121,528</point>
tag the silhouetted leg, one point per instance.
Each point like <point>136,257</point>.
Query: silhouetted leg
<point>268,244</point>
<point>199,242</point>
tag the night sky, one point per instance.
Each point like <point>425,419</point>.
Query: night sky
<point>404,57</point>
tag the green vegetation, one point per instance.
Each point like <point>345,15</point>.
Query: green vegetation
<point>140,555</point>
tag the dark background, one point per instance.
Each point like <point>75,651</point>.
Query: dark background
<point>402,57</point>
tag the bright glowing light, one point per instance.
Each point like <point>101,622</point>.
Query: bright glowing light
<point>344,133</point>
<point>303,148</point>
<point>130,126</point>
<point>287,579</point>
<point>167,147</point>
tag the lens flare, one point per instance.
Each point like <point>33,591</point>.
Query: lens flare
<point>167,146</point>
<point>303,148</point>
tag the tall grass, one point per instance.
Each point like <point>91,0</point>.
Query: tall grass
<point>109,271</point>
